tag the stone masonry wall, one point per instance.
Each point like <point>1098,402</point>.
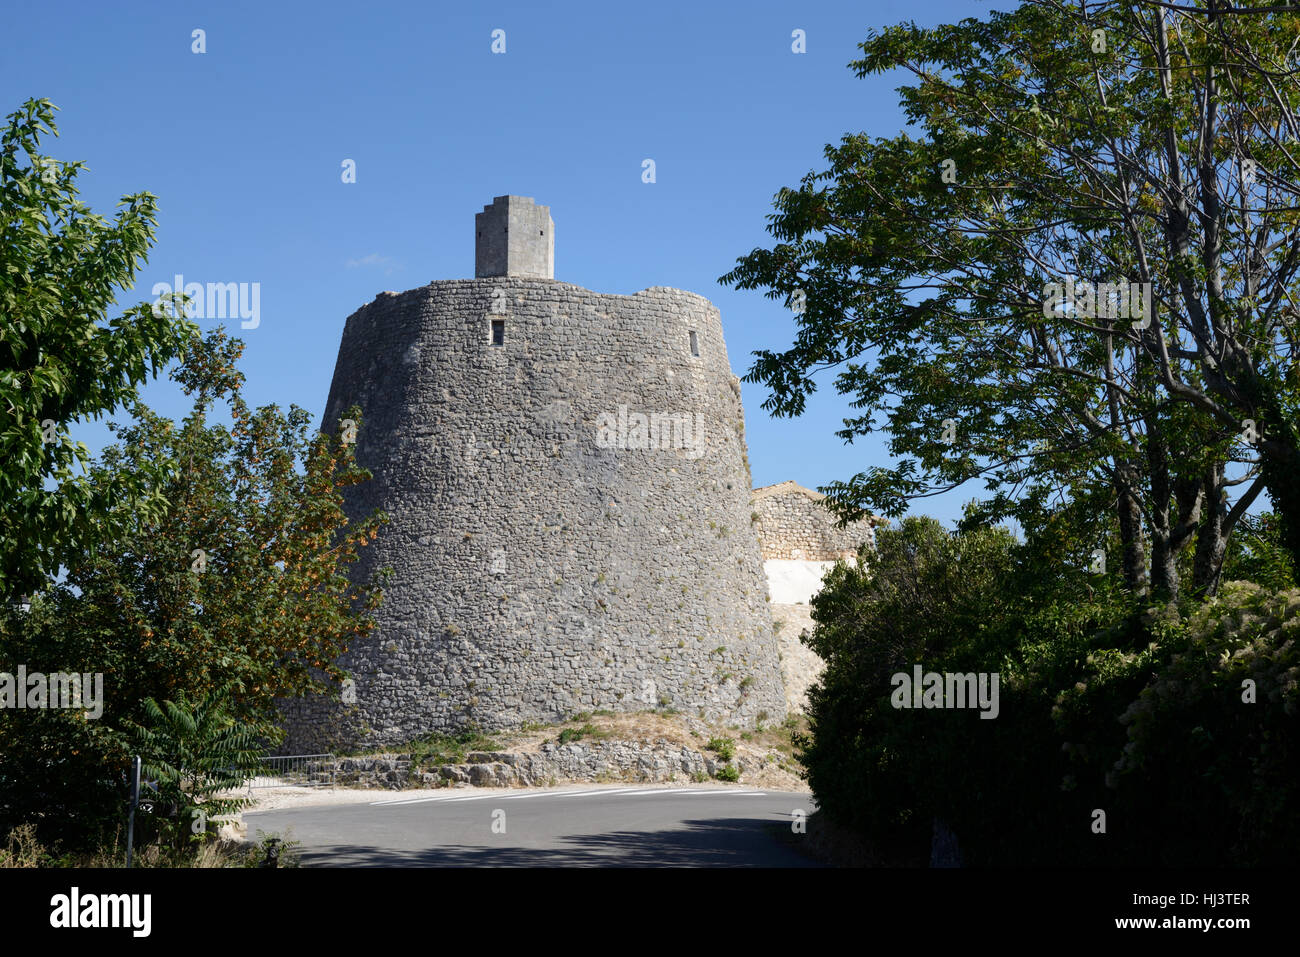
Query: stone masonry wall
<point>793,524</point>
<point>543,565</point>
<point>657,762</point>
<point>800,666</point>
<point>513,236</point>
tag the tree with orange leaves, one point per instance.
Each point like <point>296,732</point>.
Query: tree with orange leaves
<point>241,582</point>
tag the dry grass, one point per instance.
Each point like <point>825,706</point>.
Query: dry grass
<point>771,750</point>
<point>769,754</point>
<point>646,727</point>
<point>23,849</point>
<point>643,727</point>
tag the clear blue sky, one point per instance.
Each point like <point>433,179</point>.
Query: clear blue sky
<point>243,145</point>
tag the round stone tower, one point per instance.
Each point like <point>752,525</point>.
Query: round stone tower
<point>568,488</point>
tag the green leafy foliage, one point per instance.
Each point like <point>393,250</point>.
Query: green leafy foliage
<point>62,359</point>
<point>59,770</point>
<point>1257,554</point>
<point>244,579</point>
<point>729,773</point>
<point>577,734</point>
<point>1217,776</point>
<point>920,263</point>
<point>196,751</point>
<point>434,749</point>
<point>239,582</point>
<point>1103,704</point>
<point>724,748</point>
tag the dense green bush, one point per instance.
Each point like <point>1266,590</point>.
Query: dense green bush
<point>1256,554</point>
<point>199,755</point>
<point>59,770</point>
<point>239,578</point>
<point>1103,705</point>
<point>871,766</point>
<point>1211,766</point>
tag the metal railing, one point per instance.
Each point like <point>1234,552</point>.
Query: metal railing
<point>295,770</point>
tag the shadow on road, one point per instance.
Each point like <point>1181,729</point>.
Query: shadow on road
<point>732,842</point>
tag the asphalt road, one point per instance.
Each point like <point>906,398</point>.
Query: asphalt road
<point>593,827</point>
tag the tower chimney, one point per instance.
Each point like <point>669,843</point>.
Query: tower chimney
<point>514,237</point>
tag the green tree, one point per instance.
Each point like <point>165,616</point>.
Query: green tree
<point>1257,554</point>
<point>241,583</point>
<point>923,597</point>
<point>197,753</point>
<point>1102,702</point>
<point>62,359</point>
<point>1113,144</point>
<point>245,578</point>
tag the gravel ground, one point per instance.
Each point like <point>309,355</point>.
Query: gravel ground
<point>273,799</point>
<point>678,729</point>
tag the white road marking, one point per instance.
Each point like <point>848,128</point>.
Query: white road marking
<point>625,792</point>
<point>439,797</point>
<point>535,794</point>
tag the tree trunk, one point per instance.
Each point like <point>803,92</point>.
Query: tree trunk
<point>1164,550</point>
<point>1212,536</point>
<point>1164,567</point>
<point>1130,532</point>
